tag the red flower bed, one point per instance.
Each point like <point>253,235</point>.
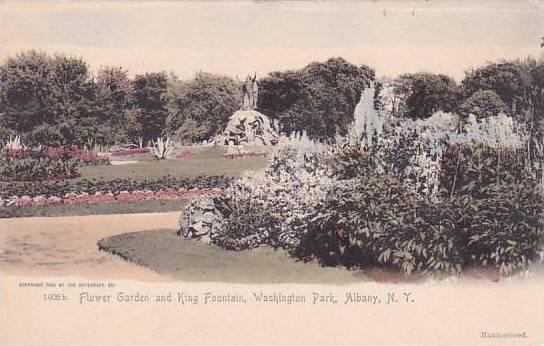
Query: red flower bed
<point>185,155</point>
<point>71,152</point>
<point>134,196</point>
<point>243,155</point>
<point>130,152</point>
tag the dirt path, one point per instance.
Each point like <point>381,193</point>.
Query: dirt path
<point>64,246</point>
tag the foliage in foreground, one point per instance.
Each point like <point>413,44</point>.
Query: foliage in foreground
<point>270,208</point>
<point>421,198</point>
<point>469,169</point>
<point>376,221</point>
<point>505,227</point>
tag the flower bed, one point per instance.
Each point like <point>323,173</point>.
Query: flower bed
<point>243,155</point>
<point>72,152</point>
<point>99,197</point>
<point>83,158</point>
<point>60,189</point>
<point>185,155</point>
<point>130,152</point>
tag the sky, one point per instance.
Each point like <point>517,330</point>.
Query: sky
<point>240,37</point>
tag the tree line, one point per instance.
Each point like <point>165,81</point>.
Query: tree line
<point>57,100</point>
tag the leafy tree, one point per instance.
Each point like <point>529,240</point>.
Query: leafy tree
<point>191,132</point>
<point>508,79</point>
<point>533,115</point>
<point>148,98</point>
<point>117,81</point>
<point>117,95</point>
<point>201,107</point>
<point>45,134</point>
<point>319,99</point>
<point>41,90</point>
<point>73,93</point>
<point>520,85</point>
<point>425,93</point>
<point>26,91</point>
<point>483,104</point>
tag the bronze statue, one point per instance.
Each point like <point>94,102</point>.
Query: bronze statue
<point>250,90</point>
<point>254,91</point>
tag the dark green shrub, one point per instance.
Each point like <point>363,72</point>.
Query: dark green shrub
<point>377,221</point>
<point>508,79</point>
<point>467,169</point>
<point>35,167</point>
<point>246,224</point>
<point>425,93</point>
<point>44,134</point>
<point>483,104</point>
<point>505,228</point>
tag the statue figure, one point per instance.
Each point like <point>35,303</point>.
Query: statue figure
<point>249,93</point>
<point>254,91</point>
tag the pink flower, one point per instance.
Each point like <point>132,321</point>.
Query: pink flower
<point>99,197</point>
<point>130,152</point>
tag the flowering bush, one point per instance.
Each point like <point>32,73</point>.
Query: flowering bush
<point>246,224</point>
<point>30,166</point>
<point>431,195</point>
<point>401,152</point>
<point>269,208</point>
<point>83,158</point>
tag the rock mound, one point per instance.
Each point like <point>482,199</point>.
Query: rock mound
<point>249,127</point>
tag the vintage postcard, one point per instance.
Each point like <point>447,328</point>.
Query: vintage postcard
<point>272,172</point>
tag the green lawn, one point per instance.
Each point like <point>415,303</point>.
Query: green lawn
<point>208,161</point>
<point>95,208</point>
<point>192,260</point>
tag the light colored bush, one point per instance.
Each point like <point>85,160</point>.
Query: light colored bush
<point>163,149</point>
<point>14,143</point>
<point>288,192</point>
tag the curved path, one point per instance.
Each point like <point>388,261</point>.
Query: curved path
<point>63,246</point>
